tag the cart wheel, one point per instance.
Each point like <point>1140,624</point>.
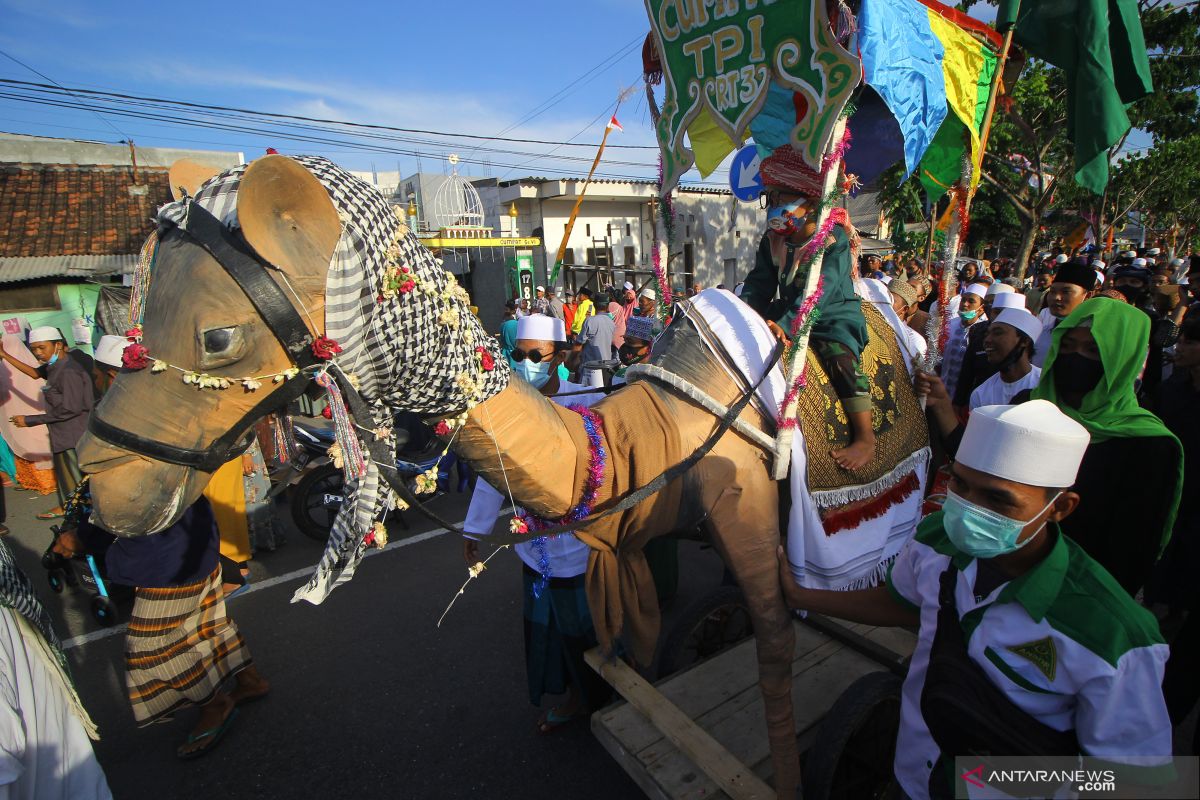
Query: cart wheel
<point>856,743</point>
<point>316,499</point>
<point>104,611</point>
<point>716,621</point>
<point>57,579</point>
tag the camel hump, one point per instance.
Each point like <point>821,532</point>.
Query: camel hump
<point>287,216</point>
<point>187,176</point>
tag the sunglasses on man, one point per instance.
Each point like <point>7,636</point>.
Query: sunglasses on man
<point>536,356</point>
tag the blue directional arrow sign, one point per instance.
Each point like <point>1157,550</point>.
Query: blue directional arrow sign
<point>744,178</point>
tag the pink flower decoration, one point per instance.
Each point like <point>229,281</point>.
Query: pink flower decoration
<point>134,334</point>
<point>519,525</point>
<point>441,429</point>
<point>408,286</point>
<point>136,356</point>
<point>485,359</point>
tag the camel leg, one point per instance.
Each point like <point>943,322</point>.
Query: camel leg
<point>744,526</point>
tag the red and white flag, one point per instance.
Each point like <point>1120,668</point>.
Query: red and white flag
<point>613,125</point>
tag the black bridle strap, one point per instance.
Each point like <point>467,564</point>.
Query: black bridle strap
<point>252,275</point>
<point>229,445</point>
<point>381,456</point>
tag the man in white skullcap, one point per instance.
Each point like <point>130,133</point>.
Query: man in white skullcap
<point>646,302</point>
<point>1009,347</point>
<point>1026,645</point>
<point>970,312</point>
<point>541,303</point>
<point>977,367</point>
<point>69,398</point>
<point>107,361</point>
<point>558,623</point>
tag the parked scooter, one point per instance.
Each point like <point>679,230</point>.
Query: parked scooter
<point>317,493</point>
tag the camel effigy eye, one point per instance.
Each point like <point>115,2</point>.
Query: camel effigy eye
<point>218,340</point>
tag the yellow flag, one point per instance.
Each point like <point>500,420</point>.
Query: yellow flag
<point>709,143</point>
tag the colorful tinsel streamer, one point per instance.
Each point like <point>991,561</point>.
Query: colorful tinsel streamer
<point>354,463</point>
<point>141,280</point>
<point>802,324</point>
<point>597,461</point>
<point>666,209</point>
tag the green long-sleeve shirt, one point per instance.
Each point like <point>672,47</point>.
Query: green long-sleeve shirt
<point>841,318</point>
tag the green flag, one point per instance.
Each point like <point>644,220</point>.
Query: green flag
<point>1099,45</point>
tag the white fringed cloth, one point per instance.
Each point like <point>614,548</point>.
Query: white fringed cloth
<point>854,558</point>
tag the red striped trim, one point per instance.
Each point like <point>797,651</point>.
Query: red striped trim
<point>966,22</point>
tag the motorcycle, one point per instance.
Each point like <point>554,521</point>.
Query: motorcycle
<point>316,489</point>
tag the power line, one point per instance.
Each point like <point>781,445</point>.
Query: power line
<point>53,87</point>
<point>19,62</point>
<point>356,146</point>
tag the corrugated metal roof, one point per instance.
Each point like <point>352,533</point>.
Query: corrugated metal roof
<point>29,268</point>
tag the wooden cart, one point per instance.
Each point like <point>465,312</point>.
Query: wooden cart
<point>702,733</point>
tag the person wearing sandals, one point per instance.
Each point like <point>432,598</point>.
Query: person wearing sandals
<point>69,398</point>
<point>558,623</point>
<point>181,649</point>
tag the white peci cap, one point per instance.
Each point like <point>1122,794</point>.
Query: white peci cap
<point>649,293</point>
<point>541,288</point>
<point>45,333</point>
<point>977,289</point>
<point>1008,300</point>
<point>540,327</point>
<point>1099,265</point>
<point>1153,251</point>
<point>1099,277</point>
<point>1032,443</point>
<point>109,350</point>
<point>1139,262</point>
<point>1022,320</point>
<point>999,288</point>
<point>1061,258</point>
<point>627,285</point>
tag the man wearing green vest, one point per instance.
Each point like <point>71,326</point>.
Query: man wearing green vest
<point>1027,647</point>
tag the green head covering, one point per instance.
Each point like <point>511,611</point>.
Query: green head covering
<point>1111,410</point>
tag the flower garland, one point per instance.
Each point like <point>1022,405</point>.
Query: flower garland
<point>666,209</point>
<point>524,522</point>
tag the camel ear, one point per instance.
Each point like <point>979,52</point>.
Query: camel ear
<point>287,217</point>
<point>187,176</point>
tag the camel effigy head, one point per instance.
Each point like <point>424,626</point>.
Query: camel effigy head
<point>207,364</point>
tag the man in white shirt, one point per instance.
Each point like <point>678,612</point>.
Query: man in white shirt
<point>1009,347</point>
<point>558,623</point>
<point>970,311</point>
<point>1038,633</point>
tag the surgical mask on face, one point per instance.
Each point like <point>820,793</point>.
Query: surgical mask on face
<point>1076,374</point>
<point>536,374</point>
<point>53,359</point>
<point>982,533</point>
<point>629,354</point>
<point>785,220</point>
<point>967,316</point>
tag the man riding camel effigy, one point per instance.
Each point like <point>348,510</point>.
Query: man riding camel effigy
<point>792,192</point>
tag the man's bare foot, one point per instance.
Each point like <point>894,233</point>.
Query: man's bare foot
<point>210,726</point>
<point>856,456</point>
<point>250,685</point>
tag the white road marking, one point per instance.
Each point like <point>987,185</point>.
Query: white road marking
<point>104,633</point>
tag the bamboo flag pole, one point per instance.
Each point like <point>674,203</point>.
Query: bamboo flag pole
<point>562,247</point>
<point>794,367</point>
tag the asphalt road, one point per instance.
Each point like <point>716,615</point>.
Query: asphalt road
<point>369,697</point>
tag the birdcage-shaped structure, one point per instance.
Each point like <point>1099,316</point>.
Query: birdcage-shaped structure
<point>457,209</point>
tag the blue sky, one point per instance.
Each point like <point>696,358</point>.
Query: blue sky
<point>463,67</point>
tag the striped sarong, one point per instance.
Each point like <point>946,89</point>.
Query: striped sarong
<point>180,648</point>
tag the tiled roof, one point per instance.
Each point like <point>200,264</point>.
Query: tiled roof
<point>74,210</point>
<point>30,268</point>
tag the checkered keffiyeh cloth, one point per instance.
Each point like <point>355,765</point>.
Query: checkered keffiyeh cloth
<point>401,356</point>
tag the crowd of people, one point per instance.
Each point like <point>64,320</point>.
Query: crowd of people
<point>1063,416</point>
